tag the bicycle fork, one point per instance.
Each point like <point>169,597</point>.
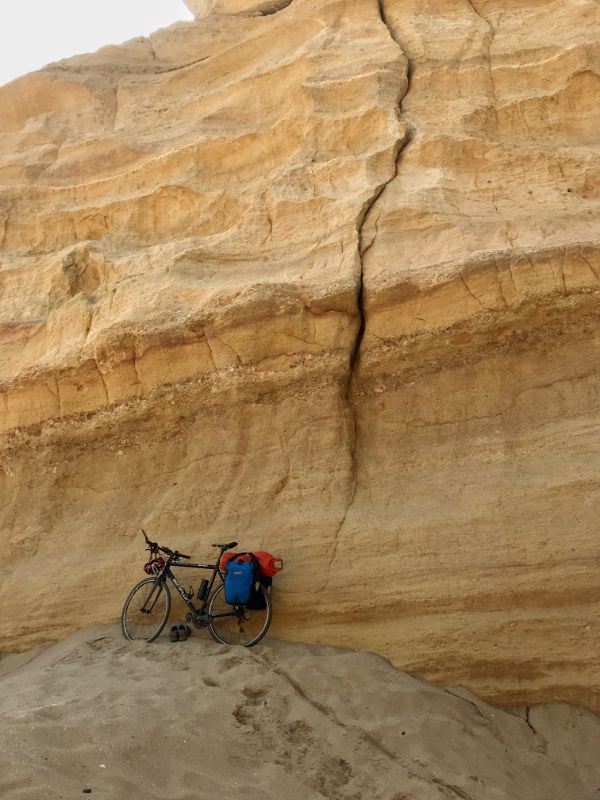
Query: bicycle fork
<point>154,595</point>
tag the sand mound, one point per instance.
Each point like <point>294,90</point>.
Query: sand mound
<point>114,719</point>
<point>323,276</point>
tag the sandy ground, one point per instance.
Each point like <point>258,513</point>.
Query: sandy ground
<point>96,715</point>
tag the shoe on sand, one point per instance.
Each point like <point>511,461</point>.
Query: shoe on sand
<point>184,632</point>
<point>174,633</point>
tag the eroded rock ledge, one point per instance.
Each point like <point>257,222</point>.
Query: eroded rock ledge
<point>324,275</point>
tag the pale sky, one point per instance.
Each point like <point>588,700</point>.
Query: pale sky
<point>35,32</point>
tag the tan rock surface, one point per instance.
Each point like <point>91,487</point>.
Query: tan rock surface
<point>191,227</point>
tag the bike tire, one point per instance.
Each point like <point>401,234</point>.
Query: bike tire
<point>223,629</point>
<point>133,630</point>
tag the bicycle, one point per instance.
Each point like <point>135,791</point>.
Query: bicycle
<point>148,604</point>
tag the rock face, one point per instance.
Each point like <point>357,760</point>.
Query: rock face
<point>322,278</point>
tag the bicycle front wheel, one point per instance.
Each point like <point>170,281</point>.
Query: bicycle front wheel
<point>238,624</point>
<point>146,610</point>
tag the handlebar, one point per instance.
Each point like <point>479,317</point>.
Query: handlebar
<point>175,553</point>
<point>154,547</point>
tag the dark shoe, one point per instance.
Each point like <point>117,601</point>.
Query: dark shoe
<point>184,632</point>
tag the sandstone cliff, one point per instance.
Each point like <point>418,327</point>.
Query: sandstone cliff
<point>322,277</point>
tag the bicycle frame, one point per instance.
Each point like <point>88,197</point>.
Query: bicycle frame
<point>198,614</point>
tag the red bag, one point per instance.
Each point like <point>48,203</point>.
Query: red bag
<point>269,564</point>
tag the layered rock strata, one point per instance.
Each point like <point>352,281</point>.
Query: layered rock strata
<point>322,278</point>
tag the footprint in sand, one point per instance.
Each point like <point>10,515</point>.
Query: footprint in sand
<point>298,732</point>
<point>231,663</point>
<point>244,716</point>
<point>255,696</point>
<point>331,775</point>
<point>248,713</point>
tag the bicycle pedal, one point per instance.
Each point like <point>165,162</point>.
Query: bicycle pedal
<point>188,617</point>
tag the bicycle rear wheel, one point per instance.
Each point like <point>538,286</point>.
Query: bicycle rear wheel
<point>146,610</point>
<point>238,624</point>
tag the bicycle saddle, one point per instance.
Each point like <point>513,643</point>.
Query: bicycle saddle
<point>226,546</point>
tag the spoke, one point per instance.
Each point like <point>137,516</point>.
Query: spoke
<point>238,625</point>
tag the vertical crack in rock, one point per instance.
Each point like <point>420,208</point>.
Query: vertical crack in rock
<point>528,720</point>
<point>5,220</point>
<point>367,210</point>
<point>489,40</point>
<point>102,381</point>
<point>475,10</point>
<point>541,742</point>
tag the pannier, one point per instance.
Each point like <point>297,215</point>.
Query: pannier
<point>245,573</point>
<point>239,580</point>
<point>257,601</point>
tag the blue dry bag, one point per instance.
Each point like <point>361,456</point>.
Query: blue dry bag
<point>239,582</point>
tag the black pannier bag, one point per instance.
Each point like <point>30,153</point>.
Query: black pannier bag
<point>257,601</point>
